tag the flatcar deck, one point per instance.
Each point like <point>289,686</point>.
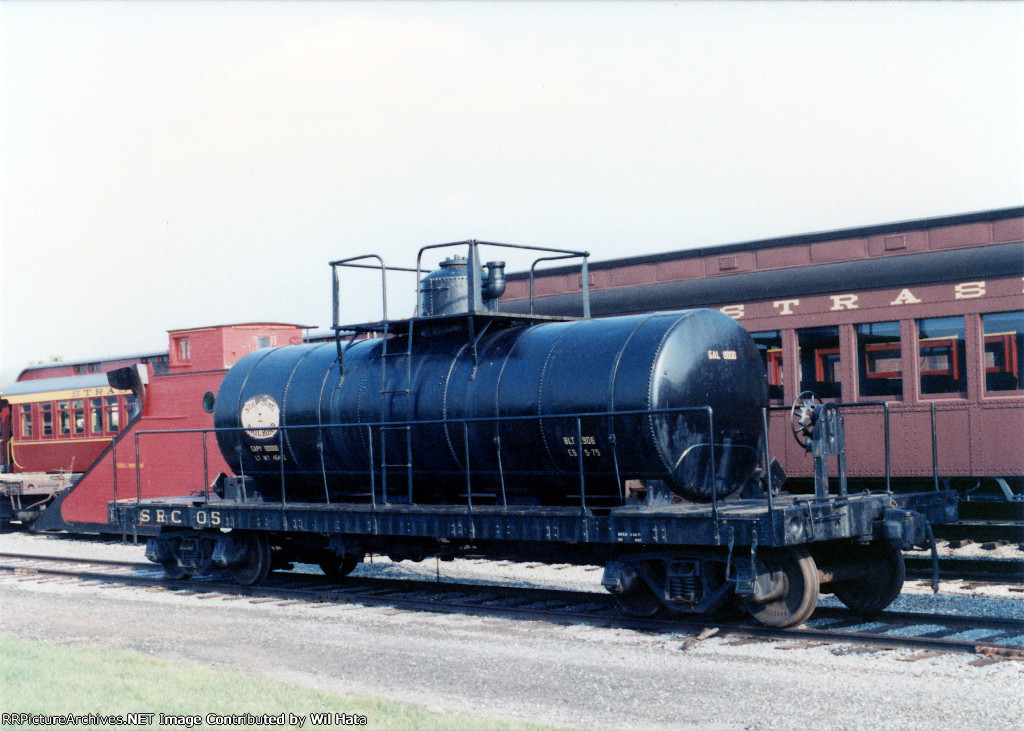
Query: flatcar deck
<point>791,520</point>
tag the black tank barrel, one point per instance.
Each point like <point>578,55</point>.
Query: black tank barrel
<point>667,360</point>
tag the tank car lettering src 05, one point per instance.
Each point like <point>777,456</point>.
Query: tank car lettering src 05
<point>636,442</point>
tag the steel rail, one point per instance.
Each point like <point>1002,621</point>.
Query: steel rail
<point>562,606</point>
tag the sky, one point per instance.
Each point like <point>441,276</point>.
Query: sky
<point>180,164</point>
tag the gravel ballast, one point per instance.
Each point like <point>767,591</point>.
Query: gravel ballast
<point>574,674</point>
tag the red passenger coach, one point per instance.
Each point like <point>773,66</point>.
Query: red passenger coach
<point>62,424</point>
<point>180,396</point>
<point>58,417</point>
<point>927,316</point>
<point>55,420</point>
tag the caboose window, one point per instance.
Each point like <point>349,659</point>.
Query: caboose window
<point>46,411</point>
<point>26,420</point>
<point>942,353</point>
<point>1004,350</point>
<point>879,367</point>
<point>184,350</point>
<point>770,345</point>
<point>820,361</point>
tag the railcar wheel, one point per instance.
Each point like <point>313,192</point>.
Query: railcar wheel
<point>174,572</point>
<point>337,567</point>
<point>799,589</point>
<point>637,599</point>
<point>872,592</point>
<point>253,569</point>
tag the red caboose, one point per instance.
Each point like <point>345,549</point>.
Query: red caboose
<point>89,424</point>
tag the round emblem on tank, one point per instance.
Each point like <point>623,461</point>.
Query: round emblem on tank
<point>261,416</point>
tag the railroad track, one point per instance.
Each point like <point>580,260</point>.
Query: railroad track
<point>971,569</point>
<point>987,523</point>
<point>928,633</point>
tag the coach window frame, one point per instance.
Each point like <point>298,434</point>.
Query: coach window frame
<point>957,344</point>
<point>112,406</point>
<point>863,371</point>
<point>814,358</point>
<point>77,417</point>
<point>1013,353</point>
<point>46,409</point>
<point>96,416</point>
<point>26,423</point>
<point>64,418</point>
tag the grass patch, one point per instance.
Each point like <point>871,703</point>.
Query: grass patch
<point>38,678</point>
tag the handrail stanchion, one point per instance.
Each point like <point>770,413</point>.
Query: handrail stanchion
<point>768,464</point>
<point>373,472</point>
<point>888,453</point>
<point>280,456</point>
<point>241,468</point>
<point>323,463</point>
<point>206,472</point>
<point>113,458</point>
<point>138,471</point>
<point>501,471</point>
<point>935,451</point>
<point>585,286</point>
<point>615,459</point>
<point>579,454</point>
<point>383,467</point>
<point>120,519</point>
<point>465,445</point>
<point>714,474</point>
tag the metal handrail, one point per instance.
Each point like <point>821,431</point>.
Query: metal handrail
<point>473,261</point>
<point>465,422</point>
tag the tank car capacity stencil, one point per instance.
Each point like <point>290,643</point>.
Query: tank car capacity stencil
<point>260,416</point>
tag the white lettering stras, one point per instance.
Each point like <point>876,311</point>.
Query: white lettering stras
<point>843,302</point>
<point>969,290</point>
<point>787,306</point>
<point>905,298</point>
<point>734,311</point>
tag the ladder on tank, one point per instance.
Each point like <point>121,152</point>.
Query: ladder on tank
<point>395,391</point>
<point>401,429</point>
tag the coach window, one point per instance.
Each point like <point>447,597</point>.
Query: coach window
<point>942,355</point>
<point>78,410</point>
<point>46,412</point>
<point>112,414</point>
<point>96,412</point>
<point>1004,350</point>
<point>26,420</point>
<point>770,345</point>
<point>65,417</point>
<point>878,359</point>
<point>819,361</point>
<point>129,406</point>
